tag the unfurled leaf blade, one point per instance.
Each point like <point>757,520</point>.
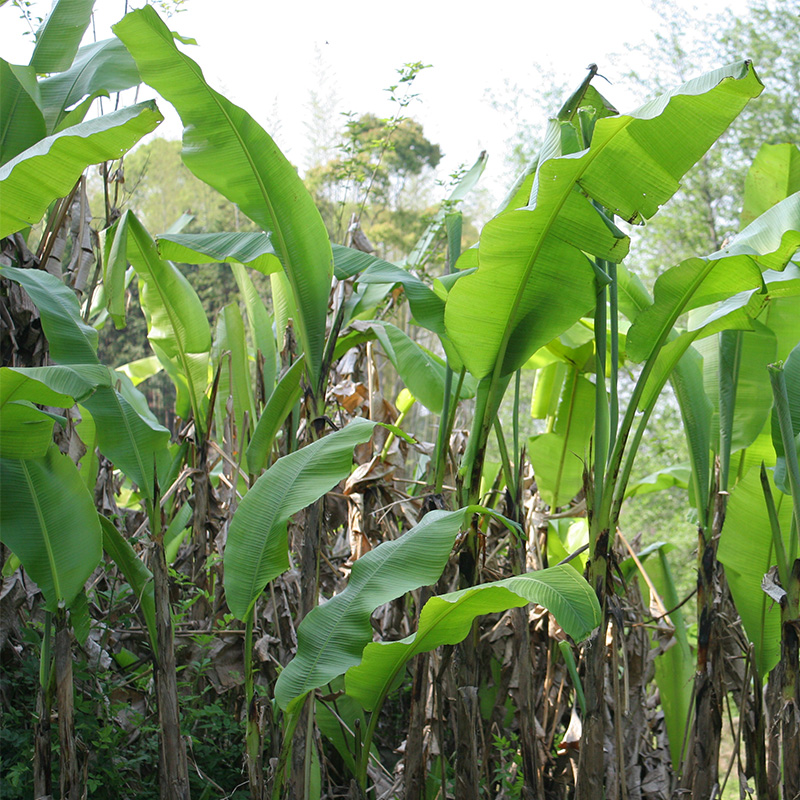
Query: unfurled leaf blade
<point>225,147</point>
<point>257,550</point>
<point>50,168</point>
<point>447,619</point>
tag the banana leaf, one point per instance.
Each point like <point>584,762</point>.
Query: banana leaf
<point>447,619</point>
<point>225,147</point>
<point>534,279</point>
<point>257,549</point>
<point>49,522</point>
<point>50,168</point>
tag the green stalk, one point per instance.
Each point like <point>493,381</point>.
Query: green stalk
<point>511,481</point>
<point>601,412</point>
<point>781,405</point>
<point>252,733</point>
<point>613,301</point>
<point>775,527</point>
<point>47,651</point>
<point>515,423</point>
<point>569,659</point>
<point>442,436</point>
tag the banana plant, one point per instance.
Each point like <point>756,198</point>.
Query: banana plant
<point>550,257</point>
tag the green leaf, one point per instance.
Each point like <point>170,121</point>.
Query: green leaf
<point>746,550</point>
<point>50,523</point>
<point>230,354</point>
<point>426,306</point>
<point>332,637</point>
<point>257,549</point>
<point>347,261</point>
<point>50,168</point>
<point>177,326</point>
<point>534,279</point>
<point>280,404</point>
<point>678,475</point>
<point>139,578</point>
<point>253,249</point>
<point>260,326</point>
<point>560,457</point>
<point>130,440</point>
<point>675,666</point>
<point>422,372</point>
<point>59,36</point>
<point>227,149</point>
<point>773,176</point>
<point>70,339</point>
<point>447,619</point>
<point>98,69</point>
<point>21,121</point>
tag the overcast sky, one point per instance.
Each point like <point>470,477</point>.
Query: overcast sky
<point>267,57</point>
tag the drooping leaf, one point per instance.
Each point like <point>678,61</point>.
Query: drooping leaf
<point>427,308</point>
<point>49,169</point>
<point>98,69</point>
<point>59,36</point>
<point>257,548</point>
<point>50,523</point>
<point>332,637</point>
<point>447,619</point>
<point>226,148</point>
<point>138,576</point>
<point>253,249</point>
<point>533,279</point>
<point>70,339</point>
<point>678,475</point>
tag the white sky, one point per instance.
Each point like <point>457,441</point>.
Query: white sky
<point>262,55</point>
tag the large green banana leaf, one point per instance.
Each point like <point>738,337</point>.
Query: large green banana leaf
<point>176,321</point>
<point>447,619</point>
<point>225,147</point>
<point>49,522</point>
<point>534,279</point>
<point>50,168</point>
<point>746,550</point>
<point>70,339</point>
<point>332,637</point>
<point>21,119</point>
<point>98,69</point>
<point>60,35</point>
<point>257,550</point>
